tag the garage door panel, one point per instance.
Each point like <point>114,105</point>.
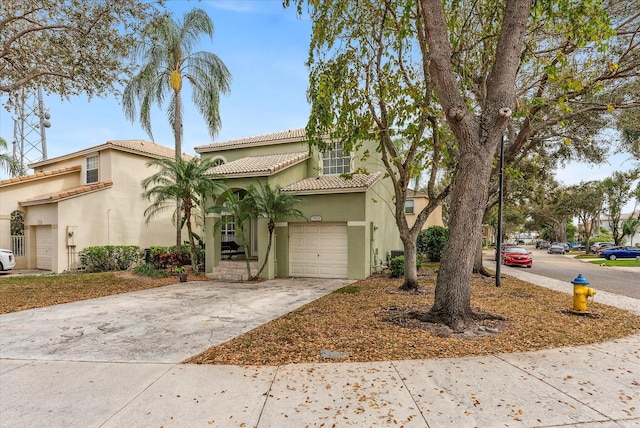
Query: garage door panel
<point>318,250</point>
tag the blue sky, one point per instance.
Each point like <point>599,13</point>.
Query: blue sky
<point>265,47</point>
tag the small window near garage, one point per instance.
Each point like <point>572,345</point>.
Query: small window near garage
<point>335,161</point>
<point>91,168</point>
<point>409,206</point>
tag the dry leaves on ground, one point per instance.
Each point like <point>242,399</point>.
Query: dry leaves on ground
<point>28,292</point>
<point>371,321</point>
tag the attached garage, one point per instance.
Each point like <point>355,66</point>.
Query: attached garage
<point>44,248</point>
<point>318,250</point>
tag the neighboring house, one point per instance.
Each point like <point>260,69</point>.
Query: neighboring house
<point>87,198</point>
<point>628,240</point>
<point>349,230</point>
<point>488,235</point>
<point>414,203</point>
<point>523,238</point>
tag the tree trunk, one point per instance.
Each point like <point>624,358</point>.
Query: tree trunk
<point>453,285</point>
<point>177,136</point>
<point>478,137</point>
<point>247,264</point>
<point>410,269</point>
<point>192,244</point>
<point>266,256</point>
<point>478,266</point>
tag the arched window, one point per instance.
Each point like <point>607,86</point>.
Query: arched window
<point>17,233</point>
<point>219,160</point>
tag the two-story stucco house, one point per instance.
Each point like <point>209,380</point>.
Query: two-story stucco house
<point>415,203</point>
<point>349,228</point>
<point>87,198</point>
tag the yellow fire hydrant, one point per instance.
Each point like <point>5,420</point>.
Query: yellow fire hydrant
<point>580,294</point>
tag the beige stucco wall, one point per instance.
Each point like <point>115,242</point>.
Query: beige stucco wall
<point>109,216</point>
<point>434,219</point>
<point>10,195</point>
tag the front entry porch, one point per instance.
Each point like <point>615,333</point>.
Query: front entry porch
<point>233,270</point>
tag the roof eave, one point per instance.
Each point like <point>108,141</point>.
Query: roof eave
<point>95,149</point>
<point>54,201</point>
<point>327,191</point>
<point>41,177</point>
<point>222,147</point>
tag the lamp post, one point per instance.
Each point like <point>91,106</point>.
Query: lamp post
<point>500,197</point>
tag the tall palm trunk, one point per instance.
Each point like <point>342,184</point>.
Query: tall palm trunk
<point>271,226</point>
<point>192,244</point>
<point>177,136</point>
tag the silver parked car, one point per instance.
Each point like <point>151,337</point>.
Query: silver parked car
<point>556,249</point>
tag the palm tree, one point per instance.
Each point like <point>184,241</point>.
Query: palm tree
<point>168,60</point>
<point>272,204</point>
<point>181,185</point>
<point>7,162</point>
<point>631,226</point>
<point>238,210</point>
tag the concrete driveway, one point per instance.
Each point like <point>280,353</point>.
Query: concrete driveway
<point>161,325</point>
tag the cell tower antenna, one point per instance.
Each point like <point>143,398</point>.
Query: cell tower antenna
<point>29,128</point>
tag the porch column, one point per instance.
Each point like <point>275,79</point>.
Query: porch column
<point>212,239</point>
<point>359,249</point>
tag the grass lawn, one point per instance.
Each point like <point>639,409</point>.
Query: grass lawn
<point>369,320</point>
<point>624,262</point>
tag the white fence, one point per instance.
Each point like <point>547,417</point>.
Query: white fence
<point>18,245</point>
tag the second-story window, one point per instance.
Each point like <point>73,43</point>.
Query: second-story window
<point>409,206</point>
<point>91,168</point>
<point>336,161</point>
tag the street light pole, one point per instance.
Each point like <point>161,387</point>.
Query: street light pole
<point>500,197</point>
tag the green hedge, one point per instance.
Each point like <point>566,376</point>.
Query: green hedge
<point>396,265</point>
<point>109,257</point>
<point>432,241</point>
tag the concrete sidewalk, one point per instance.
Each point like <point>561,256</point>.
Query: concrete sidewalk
<point>590,386</point>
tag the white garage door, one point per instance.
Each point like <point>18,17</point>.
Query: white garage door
<point>44,247</point>
<point>318,250</point>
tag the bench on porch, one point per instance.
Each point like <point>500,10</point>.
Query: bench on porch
<point>231,248</point>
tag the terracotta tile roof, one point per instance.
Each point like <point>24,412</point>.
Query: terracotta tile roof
<point>143,147</point>
<point>259,165</point>
<point>413,194</point>
<point>265,139</point>
<point>146,147</point>
<point>38,175</point>
<point>333,184</point>
<point>69,193</point>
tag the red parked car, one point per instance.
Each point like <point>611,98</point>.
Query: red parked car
<point>517,256</point>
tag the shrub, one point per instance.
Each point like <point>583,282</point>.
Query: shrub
<point>109,257</point>
<point>432,242</point>
<point>167,257</point>
<point>148,269</point>
<point>173,259</point>
<point>396,265</point>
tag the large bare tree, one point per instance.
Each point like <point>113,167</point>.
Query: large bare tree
<point>69,47</point>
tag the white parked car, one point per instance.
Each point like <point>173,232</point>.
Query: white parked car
<point>7,261</point>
